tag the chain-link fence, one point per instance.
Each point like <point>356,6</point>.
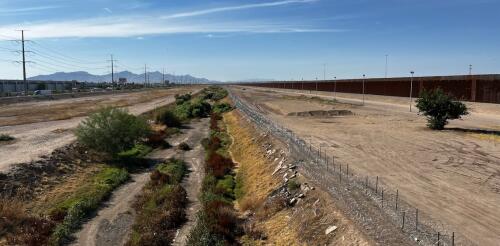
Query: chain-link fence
<point>379,208</point>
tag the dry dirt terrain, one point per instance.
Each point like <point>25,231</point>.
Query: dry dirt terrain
<point>41,127</point>
<point>452,175</point>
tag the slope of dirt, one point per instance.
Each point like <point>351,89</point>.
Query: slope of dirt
<point>112,224</point>
<point>305,223</point>
<point>34,140</point>
<point>451,176</point>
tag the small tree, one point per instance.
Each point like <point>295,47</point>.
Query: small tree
<point>112,130</point>
<point>440,107</point>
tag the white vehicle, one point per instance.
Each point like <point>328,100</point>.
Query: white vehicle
<point>42,92</point>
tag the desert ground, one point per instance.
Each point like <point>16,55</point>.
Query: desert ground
<point>41,127</point>
<point>452,175</point>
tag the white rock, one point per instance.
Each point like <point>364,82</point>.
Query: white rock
<point>330,229</point>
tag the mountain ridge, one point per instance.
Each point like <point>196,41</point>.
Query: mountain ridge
<point>154,77</point>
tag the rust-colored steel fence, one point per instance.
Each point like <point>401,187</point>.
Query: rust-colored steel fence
<point>474,88</point>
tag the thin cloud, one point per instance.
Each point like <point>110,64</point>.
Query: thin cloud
<point>26,10</point>
<point>234,8</point>
<point>134,26</point>
<point>108,10</point>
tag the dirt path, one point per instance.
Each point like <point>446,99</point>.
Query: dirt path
<point>112,224</point>
<point>195,160</point>
<point>451,176</point>
<point>37,139</point>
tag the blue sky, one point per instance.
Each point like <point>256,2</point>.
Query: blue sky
<point>235,40</point>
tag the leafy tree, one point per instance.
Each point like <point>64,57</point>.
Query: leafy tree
<point>440,107</point>
<point>112,130</point>
<point>181,99</point>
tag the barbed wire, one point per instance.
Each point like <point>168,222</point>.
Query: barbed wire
<point>340,180</point>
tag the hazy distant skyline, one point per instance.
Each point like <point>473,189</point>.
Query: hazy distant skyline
<point>238,40</point>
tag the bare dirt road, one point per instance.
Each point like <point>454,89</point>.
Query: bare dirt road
<point>452,176</point>
<point>40,132</point>
<point>113,223</point>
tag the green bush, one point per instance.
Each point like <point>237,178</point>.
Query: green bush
<point>293,185</point>
<point>5,138</point>
<point>174,168</point>
<point>138,151</point>
<point>220,108</point>
<point>181,99</point>
<point>112,130</point>
<point>440,107</point>
<point>214,93</point>
<point>168,118</point>
<point>86,200</point>
<point>227,185</point>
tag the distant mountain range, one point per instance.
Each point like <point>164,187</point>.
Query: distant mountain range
<point>154,77</point>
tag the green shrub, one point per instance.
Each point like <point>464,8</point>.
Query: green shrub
<point>440,107</point>
<point>214,93</point>
<point>239,190</point>
<point>181,99</point>
<point>86,200</point>
<point>293,185</point>
<point>174,168</point>
<point>5,138</point>
<point>184,146</point>
<point>168,118</point>
<point>138,151</point>
<point>227,185</point>
<point>112,130</point>
<point>220,108</point>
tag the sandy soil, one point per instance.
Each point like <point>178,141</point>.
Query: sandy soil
<point>112,224</point>
<point>41,138</point>
<point>451,175</point>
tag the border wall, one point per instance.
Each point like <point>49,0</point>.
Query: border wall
<point>474,88</point>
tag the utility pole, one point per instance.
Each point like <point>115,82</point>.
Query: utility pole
<point>24,64</point>
<point>324,71</point>
<point>112,71</point>
<point>470,69</point>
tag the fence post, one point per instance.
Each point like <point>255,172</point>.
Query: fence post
<point>340,173</point>
<point>438,242</point>
<point>333,163</point>
<point>376,186</point>
<point>416,220</point>
<point>366,184</point>
<point>347,174</point>
<point>397,195</point>
<point>403,225</point>
<point>382,198</point>
<point>453,239</point>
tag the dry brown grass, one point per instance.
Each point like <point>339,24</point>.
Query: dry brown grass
<point>252,166</point>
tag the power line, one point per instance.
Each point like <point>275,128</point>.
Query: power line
<point>64,56</point>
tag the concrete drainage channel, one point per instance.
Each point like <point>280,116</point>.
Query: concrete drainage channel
<point>112,224</point>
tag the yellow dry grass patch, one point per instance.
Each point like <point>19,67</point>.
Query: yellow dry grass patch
<point>486,137</point>
<point>253,169</point>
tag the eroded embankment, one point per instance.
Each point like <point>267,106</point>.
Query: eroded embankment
<point>275,201</point>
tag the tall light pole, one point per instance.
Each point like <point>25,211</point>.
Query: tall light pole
<point>386,65</point>
<point>411,89</point>
<point>470,69</point>
<point>364,89</point>
<point>335,88</point>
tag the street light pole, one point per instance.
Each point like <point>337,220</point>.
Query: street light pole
<point>364,90</point>
<point>386,65</point>
<point>411,89</point>
<point>335,88</point>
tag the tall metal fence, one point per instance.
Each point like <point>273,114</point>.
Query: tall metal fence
<point>340,180</point>
<point>474,88</point>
